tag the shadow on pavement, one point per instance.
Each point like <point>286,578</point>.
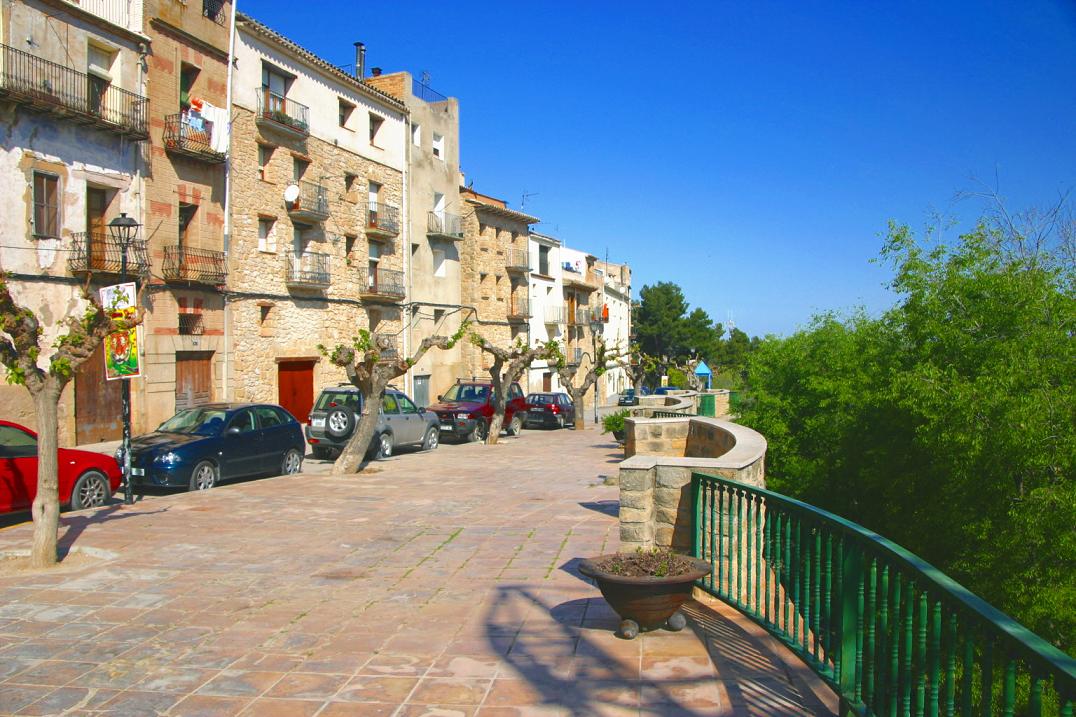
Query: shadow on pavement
<point>73,525</point>
<point>605,507</point>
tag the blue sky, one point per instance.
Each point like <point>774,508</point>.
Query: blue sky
<point>751,152</point>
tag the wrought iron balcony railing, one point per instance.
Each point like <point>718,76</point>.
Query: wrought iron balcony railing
<point>312,203</point>
<point>444,226</point>
<point>580,316</point>
<point>214,10</point>
<point>517,260</point>
<point>381,285</point>
<point>281,112</point>
<point>45,86</point>
<point>200,266</point>
<point>382,220</point>
<point>519,310</point>
<point>554,314</point>
<point>99,253</point>
<point>183,135</point>
<point>307,270</point>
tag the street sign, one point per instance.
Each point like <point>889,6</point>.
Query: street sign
<point>121,347</point>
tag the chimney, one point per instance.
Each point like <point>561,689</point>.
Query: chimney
<point>360,60</point>
<point>375,72</point>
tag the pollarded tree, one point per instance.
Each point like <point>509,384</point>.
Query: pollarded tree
<point>371,366</point>
<point>21,335</point>
<point>638,366</point>
<point>578,382</point>
<point>508,365</point>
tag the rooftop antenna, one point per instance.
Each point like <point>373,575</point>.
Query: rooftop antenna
<point>426,78</point>
<point>523,201</point>
<point>731,322</point>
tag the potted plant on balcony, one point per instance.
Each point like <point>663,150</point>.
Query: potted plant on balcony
<point>614,423</point>
<point>645,588</point>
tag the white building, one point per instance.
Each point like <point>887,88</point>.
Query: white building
<point>548,316</point>
<point>615,302</point>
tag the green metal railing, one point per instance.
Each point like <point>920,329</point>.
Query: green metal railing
<point>891,633</point>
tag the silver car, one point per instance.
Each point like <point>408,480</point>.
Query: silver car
<point>401,423</point>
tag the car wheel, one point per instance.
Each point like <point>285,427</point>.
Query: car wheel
<point>292,462</point>
<point>340,422</point>
<point>204,476</point>
<point>478,433</point>
<point>384,445</point>
<point>90,491</point>
<point>321,454</point>
<point>560,421</point>
<point>433,437</point>
<point>515,426</point>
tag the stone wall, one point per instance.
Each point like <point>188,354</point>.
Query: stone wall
<point>655,480</point>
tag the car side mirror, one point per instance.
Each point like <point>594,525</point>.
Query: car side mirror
<point>440,398</point>
<point>421,409</point>
<point>233,431</point>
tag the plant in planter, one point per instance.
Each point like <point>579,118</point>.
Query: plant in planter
<point>614,423</point>
<point>645,588</point>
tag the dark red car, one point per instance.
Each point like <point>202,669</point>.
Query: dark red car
<point>466,410</point>
<point>87,479</point>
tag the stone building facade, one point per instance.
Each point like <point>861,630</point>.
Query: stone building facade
<point>580,283</point>
<point>434,281</point>
<point>185,208</point>
<point>495,274</point>
<point>318,245</point>
<point>73,121</point>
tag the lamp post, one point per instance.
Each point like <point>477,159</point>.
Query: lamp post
<point>123,230</point>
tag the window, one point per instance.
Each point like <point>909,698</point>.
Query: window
<point>438,146</point>
<point>186,217</point>
<point>275,88</point>
<point>16,443</point>
<point>349,244</point>
<point>265,319</point>
<point>543,260</point>
<point>269,416</point>
<point>244,421</point>
<point>298,168</point>
<point>405,404</point>
<point>438,316</point>
<point>187,76</point>
<point>439,262</point>
<point>389,404</point>
<point>375,126</point>
<point>46,205</point>
<point>416,135</point>
<point>349,181</point>
<point>266,235</point>
<point>374,194</point>
<point>265,153</point>
<point>346,108</point>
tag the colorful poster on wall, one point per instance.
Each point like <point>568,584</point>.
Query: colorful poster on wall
<point>121,347</point>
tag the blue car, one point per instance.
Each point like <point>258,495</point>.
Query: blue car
<point>199,447</point>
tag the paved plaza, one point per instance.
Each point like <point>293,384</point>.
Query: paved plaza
<point>438,583</point>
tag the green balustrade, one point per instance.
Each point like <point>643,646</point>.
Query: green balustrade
<point>889,632</point>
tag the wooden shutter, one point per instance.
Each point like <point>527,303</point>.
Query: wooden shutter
<point>46,205</point>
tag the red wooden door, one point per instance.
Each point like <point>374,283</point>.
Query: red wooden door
<point>98,405</point>
<point>295,380</point>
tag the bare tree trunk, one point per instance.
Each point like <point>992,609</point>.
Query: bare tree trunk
<point>579,399</point>
<point>46,507</point>
<point>353,456</point>
<point>496,422</point>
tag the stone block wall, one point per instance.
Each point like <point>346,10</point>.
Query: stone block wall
<point>655,484</point>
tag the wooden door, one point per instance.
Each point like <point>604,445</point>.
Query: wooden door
<point>194,378</point>
<point>547,382</point>
<point>295,381</point>
<point>96,206</point>
<point>98,405</point>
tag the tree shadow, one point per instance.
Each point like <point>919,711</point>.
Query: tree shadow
<point>76,524</point>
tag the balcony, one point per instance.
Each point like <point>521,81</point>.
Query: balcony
<point>519,310</point>
<point>573,356</point>
<point>197,266</point>
<point>382,221</point>
<point>122,13</point>
<point>99,253</point>
<point>191,138</point>
<point>440,225</point>
<point>44,86</point>
<point>312,204</point>
<point>554,315</point>
<point>517,261</point>
<point>214,10</point>
<point>381,285</point>
<point>278,112</point>
<point>580,316</point>
<point>309,271</point>
<point>575,280</point>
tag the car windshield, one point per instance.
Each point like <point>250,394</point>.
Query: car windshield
<point>203,421</point>
<point>629,393</point>
<point>332,399</point>
<point>467,392</point>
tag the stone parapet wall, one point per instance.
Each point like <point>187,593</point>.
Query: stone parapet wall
<point>655,480</point>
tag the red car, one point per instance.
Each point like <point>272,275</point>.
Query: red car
<point>87,479</point>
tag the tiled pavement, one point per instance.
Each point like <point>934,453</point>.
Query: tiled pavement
<point>435,584</point>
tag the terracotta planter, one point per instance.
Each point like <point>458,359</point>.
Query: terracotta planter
<point>645,603</point>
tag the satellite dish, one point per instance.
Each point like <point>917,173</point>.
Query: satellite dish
<point>291,193</point>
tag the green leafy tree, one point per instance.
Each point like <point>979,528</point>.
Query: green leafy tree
<point>21,335</point>
<point>947,424</point>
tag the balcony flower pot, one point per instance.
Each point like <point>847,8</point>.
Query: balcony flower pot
<point>647,601</point>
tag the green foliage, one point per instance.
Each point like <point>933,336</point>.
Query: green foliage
<point>948,424</point>
<point>612,422</point>
<point>678,378</point>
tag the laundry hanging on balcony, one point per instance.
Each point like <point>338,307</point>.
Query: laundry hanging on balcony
<point>219,138</point>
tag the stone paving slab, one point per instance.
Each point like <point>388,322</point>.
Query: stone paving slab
<point>438,584</point>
